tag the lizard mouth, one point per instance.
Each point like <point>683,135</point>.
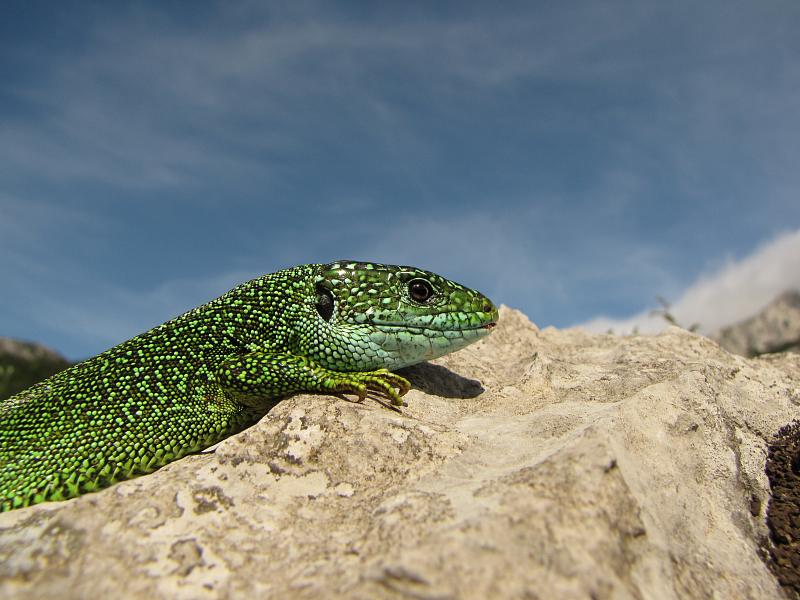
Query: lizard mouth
<point>487,326</point>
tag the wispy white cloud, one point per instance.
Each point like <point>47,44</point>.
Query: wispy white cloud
<point>33,222</point>
<point>109,314</point>
<point>47,288</point>
<point>156,105</point>
<point>734,292</point>
<point>590,145</point>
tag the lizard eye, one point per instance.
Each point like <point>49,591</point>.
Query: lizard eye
<point>324,302</point>
<point>420,290</point>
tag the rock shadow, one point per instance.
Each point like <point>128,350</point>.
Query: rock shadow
<point>441,381</point>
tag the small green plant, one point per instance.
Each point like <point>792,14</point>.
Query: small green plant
<point>665,313</point>
<point>6,378</point>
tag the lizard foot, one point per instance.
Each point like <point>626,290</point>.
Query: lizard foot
<point>381,381</point>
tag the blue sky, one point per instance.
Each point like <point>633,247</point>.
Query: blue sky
<point>572,160</point>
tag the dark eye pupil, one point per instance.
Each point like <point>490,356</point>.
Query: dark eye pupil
<point>420,290</point>
<point>324,303</point>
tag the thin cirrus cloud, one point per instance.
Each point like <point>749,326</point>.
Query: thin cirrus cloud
<point>566,160</point>
<point>128,111</point>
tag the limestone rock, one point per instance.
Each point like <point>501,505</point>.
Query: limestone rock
<point>775,329</point>
<point>533,464</point>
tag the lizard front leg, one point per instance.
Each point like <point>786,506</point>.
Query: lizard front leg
<point>264,375</point>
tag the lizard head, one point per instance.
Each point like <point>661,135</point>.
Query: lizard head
<point>372,315</point>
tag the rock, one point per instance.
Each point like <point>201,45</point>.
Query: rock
<point>24,363</point>
<point>775,329</point>
<point>533,464</point>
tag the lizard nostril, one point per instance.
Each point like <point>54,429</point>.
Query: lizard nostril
<point>487,308</point>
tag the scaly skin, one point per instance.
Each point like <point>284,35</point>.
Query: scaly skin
<point>195,380</point>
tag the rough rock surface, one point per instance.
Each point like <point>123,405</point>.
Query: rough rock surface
<point>24,363</point>
<point>775,329</point>
<point>581,466</point>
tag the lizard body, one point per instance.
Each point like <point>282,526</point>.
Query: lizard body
<point>215,370</point>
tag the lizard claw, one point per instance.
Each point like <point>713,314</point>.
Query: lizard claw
<point>381,381</point>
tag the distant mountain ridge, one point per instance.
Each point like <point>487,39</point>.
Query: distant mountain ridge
<point>23,364</point>
<point>775,329</point>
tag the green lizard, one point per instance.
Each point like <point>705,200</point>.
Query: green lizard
<point>199,378</point>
